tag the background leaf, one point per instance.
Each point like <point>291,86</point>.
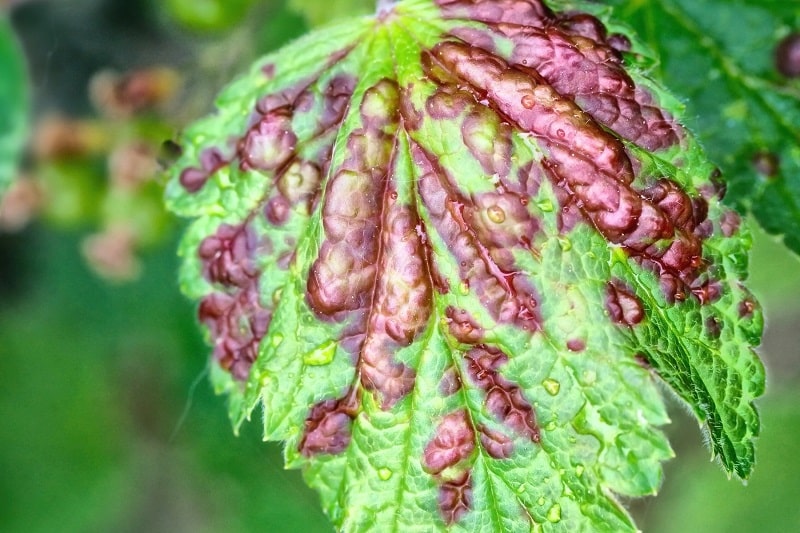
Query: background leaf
<point>13,103</point>
<point>319,12</point>
<point>719,55</point>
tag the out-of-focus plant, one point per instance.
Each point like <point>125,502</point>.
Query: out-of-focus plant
<point>13,103</point>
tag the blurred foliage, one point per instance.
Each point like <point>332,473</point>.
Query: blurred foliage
<point>208,15</point>
<point>319,12</point>
<point>107,420</point>
<point>13,103</point>
<point>95,381</point>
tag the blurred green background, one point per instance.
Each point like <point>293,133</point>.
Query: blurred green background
<point>107,420</point>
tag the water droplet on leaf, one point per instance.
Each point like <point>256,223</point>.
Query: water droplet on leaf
<point>496,214</point>
<point>528,101</point>
<point>276,296</point>
<point>551,386</point>
<point>554,514</point>
<point>321,355</point>
<point>463,287</point>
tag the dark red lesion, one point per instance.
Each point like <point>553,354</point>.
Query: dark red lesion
<point>463,327</point>
<point>576,345</point>
<point>523,12</point>
<point>478,232</point>
<point>660,226</point>
<point>371,272</point>
<point>504,399</point>
<point>270,142</point>
<point>455,498</point>
<point>623,306</point>
<point>451,382</point>
<point>448,458</point>
<point>573,53</point>
<point>235,316</point>
<point>747,307</point>
<point>237,323</point>
<point>328,428</point>
<point>211,160</point>
<point>497,445</point>
<point>453,443</point>
<point>713,327</point>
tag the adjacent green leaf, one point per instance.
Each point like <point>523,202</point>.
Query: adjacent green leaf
<point>448,249</point>
<point>13,103</point>
<point>319,12</point>
<point>721,56</point>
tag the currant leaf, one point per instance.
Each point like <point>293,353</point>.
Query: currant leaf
<point>449,250</point>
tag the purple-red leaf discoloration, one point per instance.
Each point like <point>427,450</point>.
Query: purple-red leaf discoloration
<point>523,12</point>
<point>463,327</point>
<point>451,382</point>
<point>787,56</point>
<point>503,398</point>
<point>484,267</point>
<point>455,498</point>
<point>235,317</point>
<point>193,178</point>
<point>589,164</point>
<point>496,444</point>
<point>343,277</point>
<point>328,428</point>
<point>270,143</point>
<point>452,443</point>
<point>452,447</point>
<point>622,304</point>
<point>401,305</point>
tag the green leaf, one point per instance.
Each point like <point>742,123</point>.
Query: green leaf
<point>319,12</point>
<point>13,103</point>
<point>720,56</point>
<point>450,256</point>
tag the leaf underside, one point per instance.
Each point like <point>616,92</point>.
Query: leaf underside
<point>449,249</point>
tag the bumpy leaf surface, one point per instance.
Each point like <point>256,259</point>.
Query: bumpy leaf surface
<point>738,65</point>
<point>449,249</point>
<point>13,103</point>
